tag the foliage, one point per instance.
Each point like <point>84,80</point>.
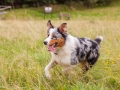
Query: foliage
<point>87,3</point>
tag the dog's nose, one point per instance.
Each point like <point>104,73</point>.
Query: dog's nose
<point>45,43</point>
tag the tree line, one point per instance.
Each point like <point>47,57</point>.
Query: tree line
<point>38,3</point>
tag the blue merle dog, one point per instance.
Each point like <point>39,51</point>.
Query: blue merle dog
<point>69,51</point>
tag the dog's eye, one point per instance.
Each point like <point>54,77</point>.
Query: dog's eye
<point>54,37</point>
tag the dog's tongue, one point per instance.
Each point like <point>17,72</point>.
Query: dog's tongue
<point>51,48</point>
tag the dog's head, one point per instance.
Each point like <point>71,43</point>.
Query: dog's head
<point>55,36</point>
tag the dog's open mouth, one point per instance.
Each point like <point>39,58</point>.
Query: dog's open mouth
<point>51,48</point>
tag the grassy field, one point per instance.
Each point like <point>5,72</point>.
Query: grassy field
<point>106,13</point>
<point>23,56</point>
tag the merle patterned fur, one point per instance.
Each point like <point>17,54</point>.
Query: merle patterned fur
<point>86,50</point>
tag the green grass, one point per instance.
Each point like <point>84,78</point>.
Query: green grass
<point>23,56</point>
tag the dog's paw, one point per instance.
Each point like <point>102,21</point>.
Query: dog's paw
<point>48,76</point>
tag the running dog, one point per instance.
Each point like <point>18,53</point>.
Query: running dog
<point>69,51</point>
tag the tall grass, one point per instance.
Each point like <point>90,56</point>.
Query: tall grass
<point>23,56</point>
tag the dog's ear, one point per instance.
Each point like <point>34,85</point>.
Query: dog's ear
<point>63,28</point>
<point>49,24</point>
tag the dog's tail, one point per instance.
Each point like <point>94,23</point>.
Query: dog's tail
<point>99,39</point>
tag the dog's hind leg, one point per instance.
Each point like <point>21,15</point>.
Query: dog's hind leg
<point>48,67</point>
<point>85,66</point>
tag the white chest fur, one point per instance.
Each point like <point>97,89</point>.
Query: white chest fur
<point>63,56</point>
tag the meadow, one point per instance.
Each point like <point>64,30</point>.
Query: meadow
<point>23,56</point>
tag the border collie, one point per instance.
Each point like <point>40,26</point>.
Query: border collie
<point>69,51</point>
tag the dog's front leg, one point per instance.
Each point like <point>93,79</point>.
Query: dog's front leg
<point>48,67</point>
